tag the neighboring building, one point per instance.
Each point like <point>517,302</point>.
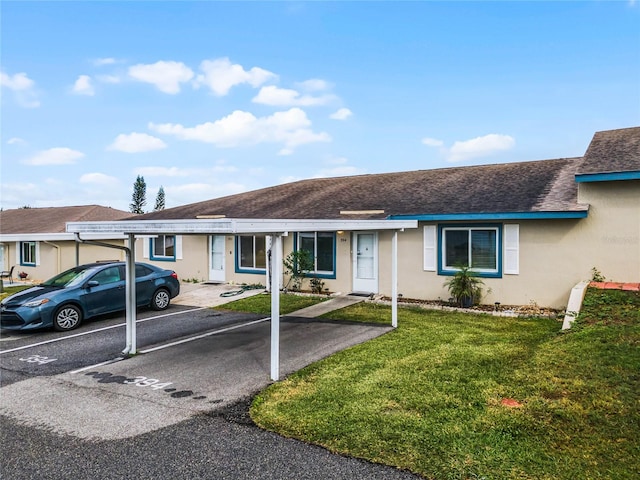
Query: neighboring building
<point>34,240</point>
<point>532,230</point>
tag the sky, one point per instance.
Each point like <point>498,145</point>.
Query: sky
<point>207,99</point>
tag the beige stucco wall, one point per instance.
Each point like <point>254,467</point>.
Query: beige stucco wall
<point>57,256</point>
<point>554,254</point>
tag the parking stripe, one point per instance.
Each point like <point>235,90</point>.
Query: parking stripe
<point>204,335</point>
<point>97,330</point>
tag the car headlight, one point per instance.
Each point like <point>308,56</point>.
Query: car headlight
<point>36,303</point>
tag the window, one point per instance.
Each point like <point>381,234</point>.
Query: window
<point>321,246</point>
<point>476,246</point>
<point>163,247</point>
<point>28,253</point>
<point>251,253</point>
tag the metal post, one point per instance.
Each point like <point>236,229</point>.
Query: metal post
<point>276,266</point>
<point>394,279</point>
<point>130,297</point>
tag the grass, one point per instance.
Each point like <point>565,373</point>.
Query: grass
<point>261,304</point>
<point>428,396</point>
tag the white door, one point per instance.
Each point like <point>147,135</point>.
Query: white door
<point>216,260</point>
<point>365,262</point>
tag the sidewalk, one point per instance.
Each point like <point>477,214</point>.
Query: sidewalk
<point>208,295</point>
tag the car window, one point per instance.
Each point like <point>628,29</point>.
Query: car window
<point>108,275</point>
<point>68,278</point>
<point>142,271</point>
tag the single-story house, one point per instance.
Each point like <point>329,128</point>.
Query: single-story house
<point>531,230</point>
<point>35,240</point>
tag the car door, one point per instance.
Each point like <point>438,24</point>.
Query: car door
<point>145,284</point>
<point>104,292</point>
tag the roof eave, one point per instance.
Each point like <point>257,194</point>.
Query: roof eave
<point>490,216</point>
<point>607,176</point>
<point>235,226</point>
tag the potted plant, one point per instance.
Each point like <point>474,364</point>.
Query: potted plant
<point>465,287</point>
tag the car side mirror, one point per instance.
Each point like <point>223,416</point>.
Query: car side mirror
<point>92,283</point>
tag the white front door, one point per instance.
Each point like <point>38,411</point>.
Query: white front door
<point>365,262</point>
<point>216,258</point>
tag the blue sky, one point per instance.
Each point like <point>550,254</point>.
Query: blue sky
<point>208,99</point>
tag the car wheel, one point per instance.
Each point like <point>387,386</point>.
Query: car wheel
<point>66,318</point>
<point>160,299</point>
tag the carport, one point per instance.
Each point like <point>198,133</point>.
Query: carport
<point>275,229</point>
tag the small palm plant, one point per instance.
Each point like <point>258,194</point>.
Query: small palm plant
<point>465,287</point>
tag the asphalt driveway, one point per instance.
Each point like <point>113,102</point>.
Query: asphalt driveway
<point>179,409</point>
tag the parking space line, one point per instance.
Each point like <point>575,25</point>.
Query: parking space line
<point>204,335</point>
<point>108,362</point>
<point>97,330</point>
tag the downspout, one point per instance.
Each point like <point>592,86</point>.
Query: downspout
<point>58,257</point>
<point>130,302</point>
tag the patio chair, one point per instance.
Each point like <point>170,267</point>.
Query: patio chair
<point>8,274</point>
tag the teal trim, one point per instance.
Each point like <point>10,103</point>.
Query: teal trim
<point>491,216</point>
<point>443,271</point>
<point>23,262</point>
<point>238,268</point>
<point>161,258</point>
<point>607,177</point>
<point>329,275</point>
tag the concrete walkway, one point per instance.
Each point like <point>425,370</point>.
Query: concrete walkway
<point>208,295</point>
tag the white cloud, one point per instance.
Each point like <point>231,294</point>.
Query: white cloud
<point>341,114</point>
<point>98,62</point>
<point>284,97</point>
<point>221,75</point>
<point>155,171</point>
<point>83,86</point>
<point>242,128</point>
<point>480,147</point>
<point>344,171</point>
<point>16,141</point>
<point>17,82</point>
<point>432,142</point>
<point>54,156</point>
<point>136,143</point>
<point>314,85</point>
<point>23,88</point>
<point>99,179</point>
<point>166,76</point>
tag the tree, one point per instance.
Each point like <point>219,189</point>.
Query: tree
<point>139,197</point>
<point>159,199</point>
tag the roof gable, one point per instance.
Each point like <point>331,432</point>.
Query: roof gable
<point>53,219</point>
<point>612,155</point>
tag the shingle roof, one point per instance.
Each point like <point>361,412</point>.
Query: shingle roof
<point>539,186</point>
<point>53,219</point>
<point>613,151</point>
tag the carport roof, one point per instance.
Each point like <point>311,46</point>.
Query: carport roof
<point>233,226</point>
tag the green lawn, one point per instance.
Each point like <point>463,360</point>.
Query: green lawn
<point>428,396</point>
<point>261,304</point>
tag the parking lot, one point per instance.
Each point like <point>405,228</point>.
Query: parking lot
<point>192,361</point>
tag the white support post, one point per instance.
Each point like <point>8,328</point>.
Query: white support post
<point>130,296</point>
<point>276,267</point>
<point>134,299</point>
<point>394,279</point>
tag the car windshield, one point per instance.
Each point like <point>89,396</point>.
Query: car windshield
<point>69,278</point>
